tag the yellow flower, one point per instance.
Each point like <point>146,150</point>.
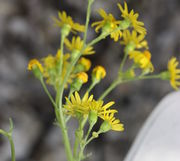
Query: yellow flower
<point>86,63</point>
<point>35,63</point>
<point>132,18</point>
<point>111,123</point>
<point>174,73</point>
<point>134,39</point>
<point>82,76</point>
<point>51,69</point>
<point>77,45</point>
<point>83,106</point>
<point>142,59</point>
<point>108,24</point>
<point>99,72</point>
<point>66,21</point>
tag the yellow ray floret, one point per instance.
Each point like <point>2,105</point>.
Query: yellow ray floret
<point>109,23</point>
<point>142,59</point>
<point>174,73</point>
<point>132,18</point>
<point>114,123</point>
<point>77,44</point>
<point>64,19</point>
<point>83,106</point>
<point>34,62</point>
<point>137,40</point>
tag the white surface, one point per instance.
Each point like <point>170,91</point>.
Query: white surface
<point>159,138</point>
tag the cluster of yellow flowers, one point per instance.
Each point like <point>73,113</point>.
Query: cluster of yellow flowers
<point>129,31</point>
<point>87,106</point>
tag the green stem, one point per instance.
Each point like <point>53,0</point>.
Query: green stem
<point>47,92</point>
<point>89,131</point>
<point>91,86</point>
<point>123,62</point>
<point>12,148</point>
<point>96,40</point>
<point>60,91</point>
<point>62,54</point>
<point>9,136</point>
<point>119,81</point>
<point>156,76</point>
<point>90,2</point>
<point>110,88</point>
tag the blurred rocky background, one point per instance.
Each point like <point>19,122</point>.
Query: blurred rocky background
<point>27,31</point>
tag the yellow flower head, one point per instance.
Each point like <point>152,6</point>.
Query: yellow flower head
<point>111,123</point>
<point>142,59</point>
<point>132,18</point>
<point>86,63</point>
<point>77,44</point>
<point>174,73</point>
<point>134,38</point>
<point>65,20</point>
<point>82,76</point>
<point>35,63</point>
<point>99,72</point>
<point>108,24</point>
<point>83,106</point>
<point>51,68</point>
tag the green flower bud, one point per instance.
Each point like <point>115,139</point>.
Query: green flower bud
<point>95,134</point>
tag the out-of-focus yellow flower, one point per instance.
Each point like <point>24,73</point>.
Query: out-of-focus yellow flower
<point>84,106</point>
<point>51,69</point>
<point>108,24</point>
<point>142,59</point>
<point>78,81</point>
<point>86,63</point>
<point>77,44</point>
<point>35,63</point>
<point>174,73</point>
<point>98,73</point>
<point>111,123</point>
<point>67,22</point>
<point>82,76</point>
<point>132,18</point>
<point>134,39</point>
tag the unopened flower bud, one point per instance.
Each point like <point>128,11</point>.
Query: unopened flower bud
<point>80,79</point>
<point>83,65</point>
<point>95,134</point>
<point>36,67</point>
<point>98,73</point>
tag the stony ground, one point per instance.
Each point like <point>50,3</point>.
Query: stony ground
<point>26,31</point>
